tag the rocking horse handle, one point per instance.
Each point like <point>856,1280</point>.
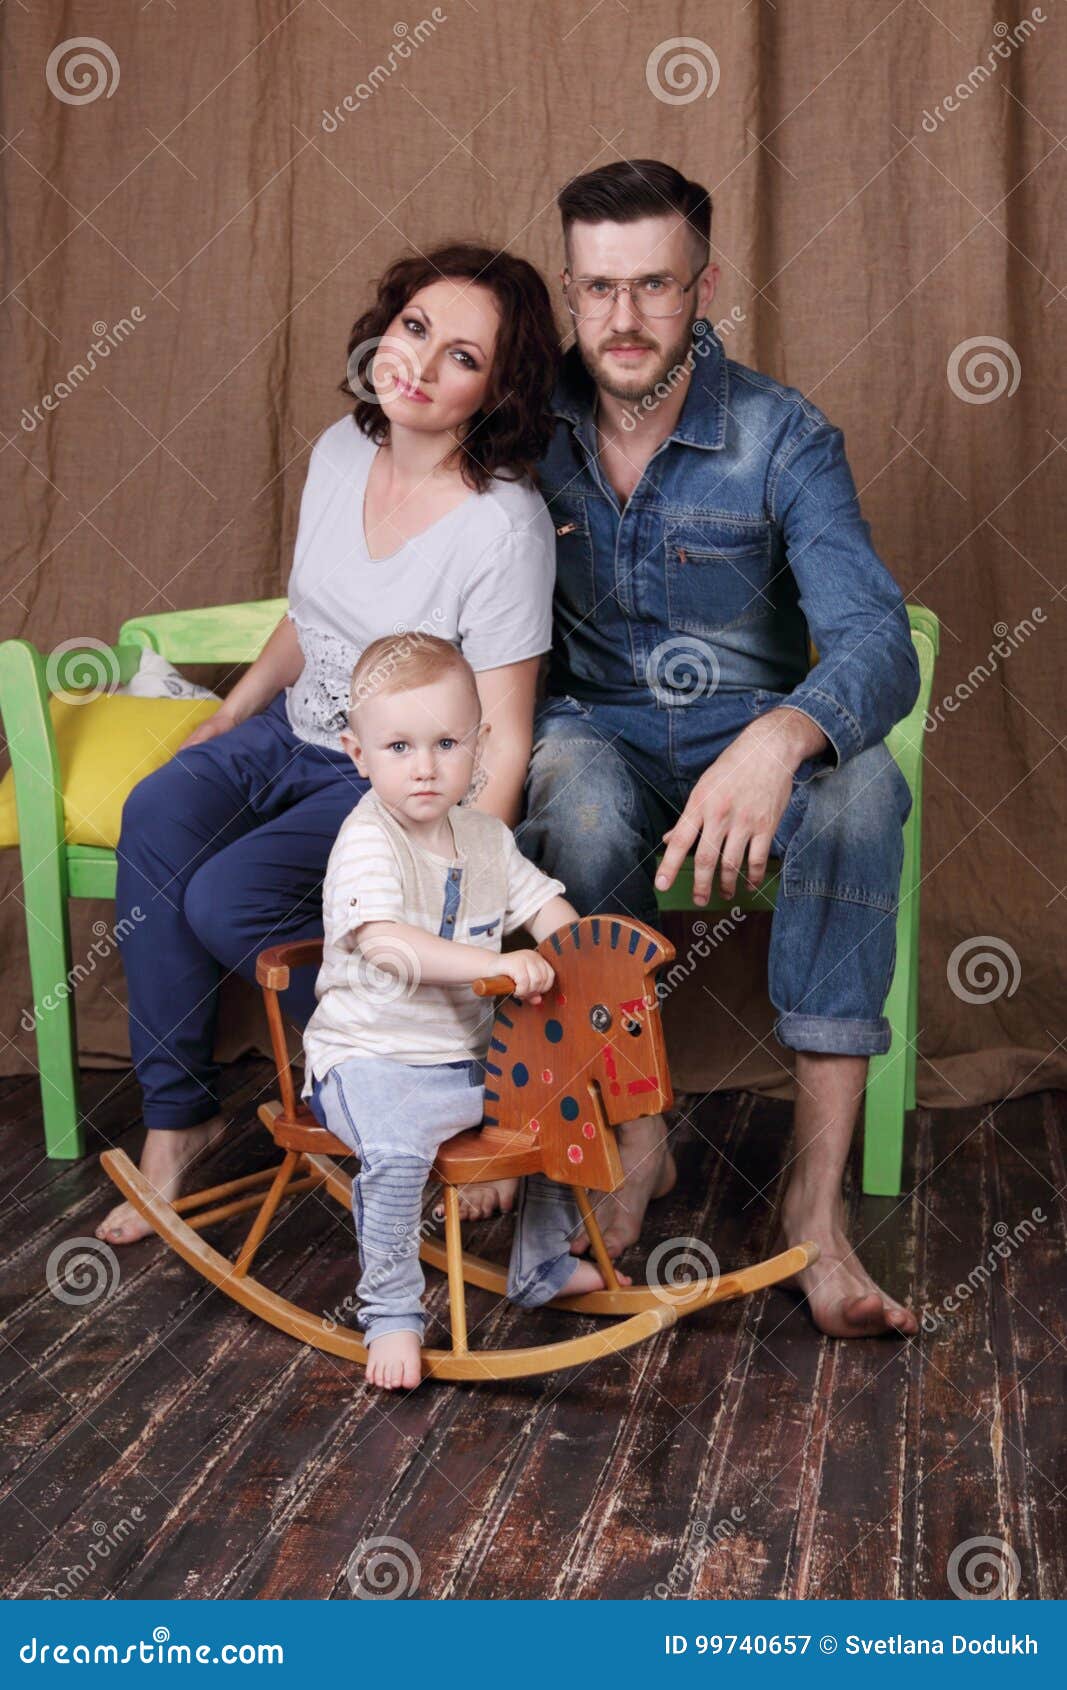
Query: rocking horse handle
<point>495,986</point>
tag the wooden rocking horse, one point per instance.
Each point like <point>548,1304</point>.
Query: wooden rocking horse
<point>560,1076</point>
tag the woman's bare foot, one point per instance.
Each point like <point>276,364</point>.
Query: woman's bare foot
<point>165,1156</point>
<point>843,1299</point>
<point>478,1202</point>
<point>394,1361</point>
<point>588,1277</point>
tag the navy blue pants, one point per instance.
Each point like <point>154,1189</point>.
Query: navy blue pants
<point>222,852</point>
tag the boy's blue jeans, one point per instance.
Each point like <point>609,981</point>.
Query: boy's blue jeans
<point>606,781</point>
<point>395,1116</point>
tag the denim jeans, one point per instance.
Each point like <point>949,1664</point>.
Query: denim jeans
<point>395,1116</point>
<point>604,783</point>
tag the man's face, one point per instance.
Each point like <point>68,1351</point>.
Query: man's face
<point>624,352</point>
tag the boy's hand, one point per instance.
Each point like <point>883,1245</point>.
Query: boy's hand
<point>532,975</point>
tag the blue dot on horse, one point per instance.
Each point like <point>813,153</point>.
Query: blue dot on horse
<point>569,1108</point>
<point>553,1031</point>
<point>520,1073</point>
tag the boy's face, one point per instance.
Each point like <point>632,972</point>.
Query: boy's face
<point>418,748</point>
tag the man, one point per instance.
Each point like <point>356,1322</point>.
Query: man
<point>707,523</point>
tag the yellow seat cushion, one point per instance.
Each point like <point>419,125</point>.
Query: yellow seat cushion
<point>105,747</point>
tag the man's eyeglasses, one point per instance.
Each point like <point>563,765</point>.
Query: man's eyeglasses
<point>651,296</point>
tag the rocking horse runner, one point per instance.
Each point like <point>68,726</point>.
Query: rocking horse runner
<point>598,1033</point>
<point>417,891</point>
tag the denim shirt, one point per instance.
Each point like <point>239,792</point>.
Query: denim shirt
<point>742,540</point>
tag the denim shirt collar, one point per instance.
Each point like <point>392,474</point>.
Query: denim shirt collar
<point>702,420</point>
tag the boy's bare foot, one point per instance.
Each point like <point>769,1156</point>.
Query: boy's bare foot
<point>649,1172</point>
<point>165,1156</point>
<point>843,1299</point>
<point>478,1202</point>
<point>588,1277</point>
<point>394,1361</point>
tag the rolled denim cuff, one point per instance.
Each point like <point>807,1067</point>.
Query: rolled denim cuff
<point>828,1035</point>
<point>838,724</point>
<point>394,1323</point>
<point>546,1282</point>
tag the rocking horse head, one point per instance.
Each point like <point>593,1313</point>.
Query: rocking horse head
<point>590,1055</point>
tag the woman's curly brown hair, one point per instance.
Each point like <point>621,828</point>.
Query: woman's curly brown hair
<point>513,427</point>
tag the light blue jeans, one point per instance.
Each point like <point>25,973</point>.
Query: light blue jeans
<point>395,1116</point>
<point>604,783</point>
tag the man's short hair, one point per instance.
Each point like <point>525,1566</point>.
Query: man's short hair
<point>633,188</point>
<point>401,662</point>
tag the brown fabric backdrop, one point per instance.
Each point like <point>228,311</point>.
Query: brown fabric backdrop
<point>865,232</point>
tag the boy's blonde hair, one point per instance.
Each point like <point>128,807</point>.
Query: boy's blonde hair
<point>401,662</point>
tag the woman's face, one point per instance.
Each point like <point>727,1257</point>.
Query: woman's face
<point>432,367</point>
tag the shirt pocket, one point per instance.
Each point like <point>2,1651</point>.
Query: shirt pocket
<point>486,930</point>
<point>575,584</point>
<point>718,573</point>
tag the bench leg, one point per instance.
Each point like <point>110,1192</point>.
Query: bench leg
<point>48,938</point>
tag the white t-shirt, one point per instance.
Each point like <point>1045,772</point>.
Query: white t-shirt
<point>377,872</point>
<point>481,576</point>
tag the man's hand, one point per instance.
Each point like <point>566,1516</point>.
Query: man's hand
<point>738,801</point>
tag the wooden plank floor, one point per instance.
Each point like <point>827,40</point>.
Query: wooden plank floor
<point>158,1441</point>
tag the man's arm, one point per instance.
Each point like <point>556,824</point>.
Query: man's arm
<point>867,674</point>
<point>866,678</point>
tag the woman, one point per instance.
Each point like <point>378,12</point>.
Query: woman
<point>418,512</point>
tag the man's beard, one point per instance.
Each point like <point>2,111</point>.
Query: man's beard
<point>672,357</point>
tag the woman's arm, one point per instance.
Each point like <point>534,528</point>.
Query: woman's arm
<point>507,696</point>
<point>277,666</point>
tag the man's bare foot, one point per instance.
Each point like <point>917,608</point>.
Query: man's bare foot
<point>588,1277</point>
<point>394,1361</point>
<point>478,1202</point>
<point>165,1156</point>
<point>843,1300</point>
<point>649,1172</point>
